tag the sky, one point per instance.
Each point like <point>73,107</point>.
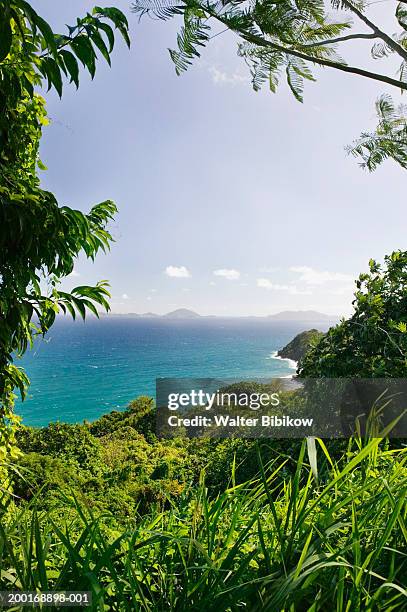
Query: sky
<point>231,202</point>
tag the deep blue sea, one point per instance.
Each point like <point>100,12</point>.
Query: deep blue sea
<point>82,370</point>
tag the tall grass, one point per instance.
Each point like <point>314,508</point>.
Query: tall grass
<point>338,544</point>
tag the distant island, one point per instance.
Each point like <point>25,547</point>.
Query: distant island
<point>302,315</point>
<point>186,314</point>
<point>180,313</point>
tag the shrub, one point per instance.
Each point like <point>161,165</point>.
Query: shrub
<point>266,544</point>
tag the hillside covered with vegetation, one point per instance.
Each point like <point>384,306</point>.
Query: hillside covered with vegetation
<point>297,348</point>
<point>200,524</point>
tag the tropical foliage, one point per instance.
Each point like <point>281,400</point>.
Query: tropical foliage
<point>373,341</point>
<point>198,524</point>
<point>298,347</point>
<point>194,524</point>
<point>389,141</point>
<point>39,239</point>
<point>288,38</point>
<point>280,540</point>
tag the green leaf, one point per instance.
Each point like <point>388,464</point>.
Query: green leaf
<point>295,82</point>
<point>72,65</point>
<point>118,18</point>
<point>52,71</point>
<point>41,166</point>
<point>100,44</point>
<point>82,47</point>
<point>109,33</point>
<point>114,14</point>
<point>5,35</point>
<point>48,34</point>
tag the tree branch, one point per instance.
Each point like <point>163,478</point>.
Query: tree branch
<point>257,40</point>
<point>379,33</point>
<point>332,41</point>
<point>262,42</point>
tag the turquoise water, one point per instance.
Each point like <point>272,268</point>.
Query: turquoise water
<point>82,370</point>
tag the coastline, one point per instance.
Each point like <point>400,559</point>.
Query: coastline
<point>292,364</point>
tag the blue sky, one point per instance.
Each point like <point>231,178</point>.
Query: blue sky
<point>231,202</point>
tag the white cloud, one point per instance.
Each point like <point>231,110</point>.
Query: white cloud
<point>229,274</point>
<point>177,272</point>
<point>223,78</point>
<point>317,277</point>
<point>266,283</point>
<point>212,283</point>
<point>125,296</point>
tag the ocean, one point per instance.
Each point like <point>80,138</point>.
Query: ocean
<point>83,370</point>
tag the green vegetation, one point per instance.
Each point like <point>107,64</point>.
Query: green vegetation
<point>116,464</point>
<point>179,524</point>
<point>300,345</point>
<point>197,524</point>
<point>40,240</point>
<point>373,341</point>
<point>282,540</point>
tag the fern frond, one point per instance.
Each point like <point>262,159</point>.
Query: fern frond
<point>161,9</point>
<point>323,31</point>
<point>193,34</point>
<point>380,49</point>
<point>389,141</point>
<point>314,9</point>
<point>339,4</point>
<point>403,72</point>
<point>296,72</point>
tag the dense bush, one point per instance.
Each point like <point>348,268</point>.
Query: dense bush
<point>140,415</point>
<point>74,443</point>
<point>205,524</point>
<point>300,345</point>
<point>115,463</point>
<point>373,341</point>
<point>269,544</point>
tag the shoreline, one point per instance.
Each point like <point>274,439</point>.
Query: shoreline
<point>292,364</point>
